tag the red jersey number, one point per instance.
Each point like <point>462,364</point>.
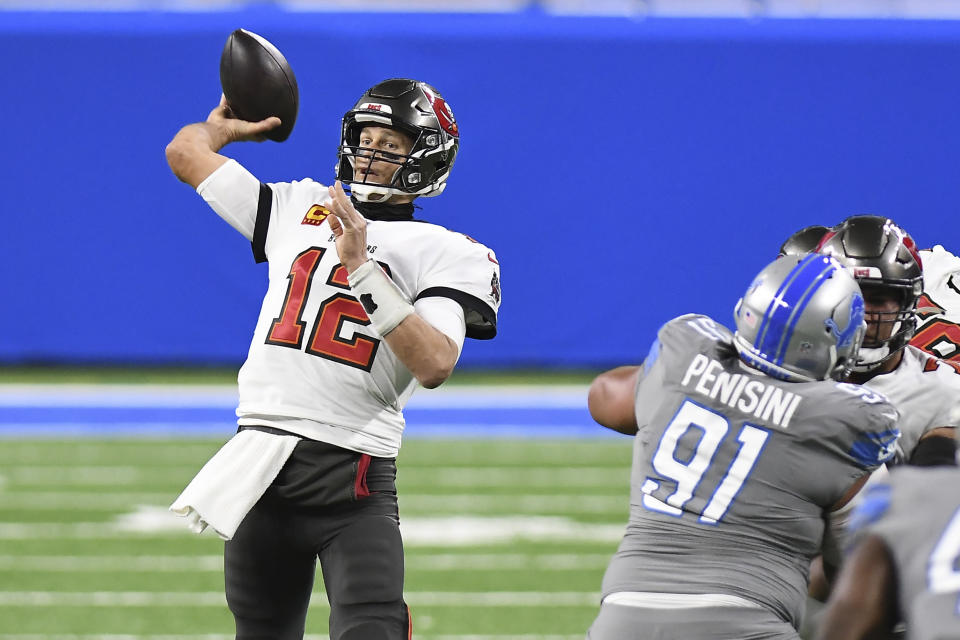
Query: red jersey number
<point>939,338</point>
<point>325,341</point>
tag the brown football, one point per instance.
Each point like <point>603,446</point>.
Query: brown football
<point>258,82</point>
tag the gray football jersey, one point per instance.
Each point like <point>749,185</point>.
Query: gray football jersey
<point>917,514</point>
<point>733,470</point>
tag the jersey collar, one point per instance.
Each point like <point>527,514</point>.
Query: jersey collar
<point>382,211</point>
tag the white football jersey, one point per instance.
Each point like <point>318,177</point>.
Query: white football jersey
<point>939,307</point>
<point>315,366</point>
<point>926,392</point>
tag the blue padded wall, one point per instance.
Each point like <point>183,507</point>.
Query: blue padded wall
<point>624,171</point>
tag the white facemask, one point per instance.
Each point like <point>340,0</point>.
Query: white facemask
<point>869,358</point>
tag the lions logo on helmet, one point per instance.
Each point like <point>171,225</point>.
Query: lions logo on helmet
<point>801,319</point>
<point>846,335</point>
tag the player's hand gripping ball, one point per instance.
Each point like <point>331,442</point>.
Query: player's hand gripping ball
<point>258,82</point>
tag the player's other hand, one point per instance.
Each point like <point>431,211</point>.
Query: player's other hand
<point>349,229</point>
<point>236,130</point>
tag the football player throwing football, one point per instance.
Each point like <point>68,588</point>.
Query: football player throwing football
<point>363,303</point>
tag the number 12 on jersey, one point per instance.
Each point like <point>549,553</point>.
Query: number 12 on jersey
<point>287,329</point>
<point>688,474</point>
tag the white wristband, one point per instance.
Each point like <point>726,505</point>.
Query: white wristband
<point>385,304</point>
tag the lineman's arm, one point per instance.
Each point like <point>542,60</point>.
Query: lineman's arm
<point>192,154</point>
<point>611,399</point>
<point>863,602</point>
<point>936,447</point>
<point>426,351</point>
<point>823,569</point>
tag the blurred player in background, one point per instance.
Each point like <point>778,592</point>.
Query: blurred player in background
<point>363,303</point>
<point>744,443</point>
<point>903,564</point>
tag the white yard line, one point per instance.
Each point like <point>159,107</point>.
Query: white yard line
<point>410,476</point>
<point>224,636</point>
<point>17,430</point>
<point>73,475</point>
<point>217,599</point>
<point>461,502</point>
<point>75,530</point>
<point>452,531</point>
<point>556,503</point>
<point>127,636</point>
<point>80,500</point>
<point>113,563</point>
<point>579,636</point>
<point>117,395</point>
<point>519,477</point>
<point>214,563</point>
<point>226,428</point>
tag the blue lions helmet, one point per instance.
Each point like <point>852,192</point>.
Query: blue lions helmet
<point>801,319</point>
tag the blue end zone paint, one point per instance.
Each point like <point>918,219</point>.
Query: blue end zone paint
<point>454,414</point>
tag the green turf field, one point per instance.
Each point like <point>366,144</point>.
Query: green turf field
<point>505,539</point>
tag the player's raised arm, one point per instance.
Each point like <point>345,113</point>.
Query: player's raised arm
<point>427,352</point>
<point>192,154</point>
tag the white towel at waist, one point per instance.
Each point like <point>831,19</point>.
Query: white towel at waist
<point>232,481</point>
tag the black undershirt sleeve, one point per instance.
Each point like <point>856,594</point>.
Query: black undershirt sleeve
<point>480,318</point>
<point>934,451</point>
<point>264,205</point>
